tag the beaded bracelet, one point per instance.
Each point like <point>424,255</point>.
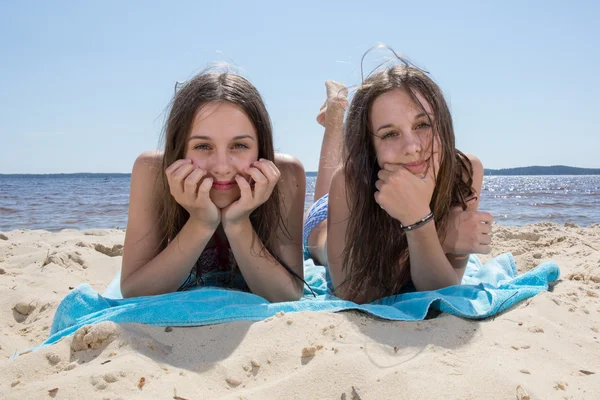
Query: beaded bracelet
<point>418,224</point>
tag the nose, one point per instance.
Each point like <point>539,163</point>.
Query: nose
<point>222,165</point>
<point>411,144</point>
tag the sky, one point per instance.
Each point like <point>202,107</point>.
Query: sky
<point>85,86</point>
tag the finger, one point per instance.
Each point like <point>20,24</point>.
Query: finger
<point>177,177</point>
<point>262,190</point>
<point>204,188</point>
<point>379,199</point>
<point>257,175</point>
<point>384,174</point>
<point>486,217</point>
<point>486,229</point>
<point>182,172</point>
<point>261,182</point>
<point>190,185</point>
<point>391,167</point>
<point>379,184</point>
<point>483,249</point>
<point>176,165</point>
<point>485,240</point>
<point>274,168</point>
<point>272,173</point>
<point>245,189</point>
<point>269,170</point>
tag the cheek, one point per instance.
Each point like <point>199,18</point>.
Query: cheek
<point>243,162</point>
<point>429,141</point>
<point>200,162</point>
<point>386,154</point>
<point>436,145</point>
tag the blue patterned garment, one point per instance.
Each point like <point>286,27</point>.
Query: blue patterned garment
<point>316,214</point>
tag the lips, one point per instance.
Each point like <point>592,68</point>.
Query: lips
<point>416,167</point>
<point>223,185</point>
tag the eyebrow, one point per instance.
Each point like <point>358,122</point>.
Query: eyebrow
<point>416,117</point>
<point>210,139</point>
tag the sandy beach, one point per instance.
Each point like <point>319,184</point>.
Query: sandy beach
<point>546,348</point>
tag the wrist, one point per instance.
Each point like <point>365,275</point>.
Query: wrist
<point>236,227</point>
<point>423,232</point>
<point>200,227</point>
<point>416,219</point>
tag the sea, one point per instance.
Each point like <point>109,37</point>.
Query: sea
<point>85,201</point>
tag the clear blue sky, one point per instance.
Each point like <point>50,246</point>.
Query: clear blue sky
<point>84,85</point>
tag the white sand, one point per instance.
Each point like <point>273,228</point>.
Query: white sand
<point>549,346</point>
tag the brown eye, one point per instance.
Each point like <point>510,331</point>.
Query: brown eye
<point>388,135</point>
<point>422,125</point>
<point>203,146</point>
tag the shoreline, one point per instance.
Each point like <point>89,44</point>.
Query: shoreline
<point>567,224</point>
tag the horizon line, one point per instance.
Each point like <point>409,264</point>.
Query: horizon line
<point>307,172</point>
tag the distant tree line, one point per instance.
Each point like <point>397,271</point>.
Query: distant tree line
<point>535,170</point>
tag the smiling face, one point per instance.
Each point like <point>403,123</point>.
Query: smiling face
<point>402,131</point>
<point>224,142</point>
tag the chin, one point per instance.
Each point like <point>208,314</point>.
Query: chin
<point>222,199</point>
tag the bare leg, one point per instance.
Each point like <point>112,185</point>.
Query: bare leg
<point>331,116</point>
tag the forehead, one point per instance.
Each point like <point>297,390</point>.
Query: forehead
<point>396,105</point>
<point>222,119</point>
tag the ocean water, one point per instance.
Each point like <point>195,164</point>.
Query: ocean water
<point>84,201</point>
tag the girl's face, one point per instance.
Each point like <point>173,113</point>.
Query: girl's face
<point>223,142</point>
<point>402,134</point>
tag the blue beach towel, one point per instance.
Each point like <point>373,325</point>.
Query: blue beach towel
<point>485,291</point>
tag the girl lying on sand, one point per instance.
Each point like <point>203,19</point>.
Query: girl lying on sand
<point>401,212</point>
<point>217,207</point>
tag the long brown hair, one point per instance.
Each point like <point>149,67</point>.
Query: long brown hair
<point>377,264</point>
<point>202,89</point>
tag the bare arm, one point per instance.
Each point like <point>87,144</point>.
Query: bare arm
<point>264,275</point>
<point>431,268</point>
<point>338,214</point>
<point>465,217</point>
<point>148,269</point>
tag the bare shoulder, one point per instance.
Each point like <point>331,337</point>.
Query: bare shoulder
<point>475,163</point>
<point>338,198</point>
<point>151,159</point>
<point>477,176</point>
<point>146,167</point>
<point>288,164</point>
<point>337,189</point>
<point>292,171</point>
<point>476,167</point>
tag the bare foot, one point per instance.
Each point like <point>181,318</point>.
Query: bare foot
<point>336,102</point>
